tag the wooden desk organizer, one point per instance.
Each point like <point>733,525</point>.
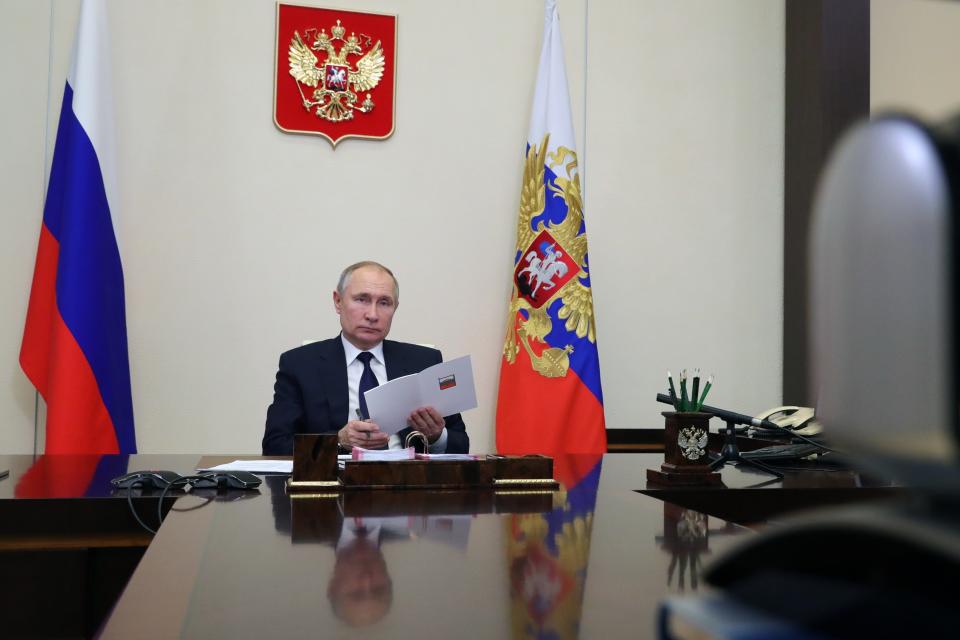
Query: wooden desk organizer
<point>685,455</point>
<point>315,469</point>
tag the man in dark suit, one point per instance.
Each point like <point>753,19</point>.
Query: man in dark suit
<point>319,387</point>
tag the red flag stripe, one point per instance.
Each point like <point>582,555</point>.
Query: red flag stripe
<point>529,405</point>
<point>55,364</point>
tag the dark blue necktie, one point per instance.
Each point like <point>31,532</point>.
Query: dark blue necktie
<point>367,381</point>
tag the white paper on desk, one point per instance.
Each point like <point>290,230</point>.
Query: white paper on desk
<point>255,466</point>
<point>447,387</point>
<point>381,455</point>
<point>447,456</point>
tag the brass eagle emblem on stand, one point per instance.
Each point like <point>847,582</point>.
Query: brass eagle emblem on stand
<point>335,82</point>
<point>692,442</point>
<point>552,264</point>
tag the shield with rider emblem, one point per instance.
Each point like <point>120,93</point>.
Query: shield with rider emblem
<point>543,270</point>
<point>336,77</point>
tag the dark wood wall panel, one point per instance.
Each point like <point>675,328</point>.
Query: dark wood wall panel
<point>827,88</point>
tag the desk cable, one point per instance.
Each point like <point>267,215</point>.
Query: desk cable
<point>140,484</point>
<point>184,483</point>
<point>188,486</point>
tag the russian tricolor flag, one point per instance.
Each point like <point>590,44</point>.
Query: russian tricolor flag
<point>75,340</point>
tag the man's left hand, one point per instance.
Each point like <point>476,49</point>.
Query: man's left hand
<point>427,421</point>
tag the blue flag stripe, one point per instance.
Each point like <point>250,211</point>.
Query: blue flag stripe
<point>581,502</point>
<point>90,290</point>
<point>584,359</point>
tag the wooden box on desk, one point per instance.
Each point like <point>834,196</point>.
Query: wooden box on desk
<point>424,474</point>
<point>315,467</point>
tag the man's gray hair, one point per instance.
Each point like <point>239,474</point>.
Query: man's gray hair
<point>344,280</point>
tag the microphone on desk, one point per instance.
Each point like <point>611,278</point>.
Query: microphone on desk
<point>730,416</point>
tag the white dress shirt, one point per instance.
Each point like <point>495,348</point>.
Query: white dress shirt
<point>379,367</point>
<point>372,529</point>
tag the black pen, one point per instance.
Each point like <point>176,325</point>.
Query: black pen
<point>696,389</point>
<point>362,419</point>
<point>673,392</point>
<point>683,389</point>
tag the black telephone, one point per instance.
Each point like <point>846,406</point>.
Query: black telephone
<point>226,480</point>
<point>797,419</point>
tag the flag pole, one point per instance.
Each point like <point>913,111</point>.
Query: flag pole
<point>36,420</point>
<point>586,67</point>
<point>43,197</point>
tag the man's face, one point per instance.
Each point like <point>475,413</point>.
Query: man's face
<point>366,307</point>
<point>360,589</point>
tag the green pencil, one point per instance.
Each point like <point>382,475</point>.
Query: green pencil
<point>706,390</point>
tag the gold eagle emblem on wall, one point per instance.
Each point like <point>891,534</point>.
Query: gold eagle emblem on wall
<point>336,81</point>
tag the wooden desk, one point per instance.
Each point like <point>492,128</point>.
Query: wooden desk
<point>751,496</point>
<point>596,563</point>
<point>68,543</point>
<point>247,564</point>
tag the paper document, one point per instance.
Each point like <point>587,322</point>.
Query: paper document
<point>359,453</point>
<point>447,456</point>
<point>255,466</point>
<point>447,387</point>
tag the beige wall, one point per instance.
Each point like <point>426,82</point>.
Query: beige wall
<point>914,48</point>
<point>233,233</point>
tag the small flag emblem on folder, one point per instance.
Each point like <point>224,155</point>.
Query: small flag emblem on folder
<point>447,382</point>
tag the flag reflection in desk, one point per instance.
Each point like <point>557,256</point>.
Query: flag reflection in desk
<point>70,476</point>
<point>548,553</point>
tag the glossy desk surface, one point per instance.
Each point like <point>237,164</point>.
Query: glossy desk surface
<point>67,501</point>
<point>593,560</point>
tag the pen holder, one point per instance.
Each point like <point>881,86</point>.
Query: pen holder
<point>685,451</point>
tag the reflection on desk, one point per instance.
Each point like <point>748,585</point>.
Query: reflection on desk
<point>68,545</point>
<point>360,589</point>
<point>752,496</point>
<point>593,559</point>
<point>547,533</point>
<point>571,563</point>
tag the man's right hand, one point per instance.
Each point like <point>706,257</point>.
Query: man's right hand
<point>364,434</point>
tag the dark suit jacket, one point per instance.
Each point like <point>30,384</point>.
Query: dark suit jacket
<point>311,396</point>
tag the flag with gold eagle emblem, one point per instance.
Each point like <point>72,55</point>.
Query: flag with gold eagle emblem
<point>550,400</point>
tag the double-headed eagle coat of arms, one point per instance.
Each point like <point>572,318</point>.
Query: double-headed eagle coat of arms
<point>335,73</point>
<point>336,82</point>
